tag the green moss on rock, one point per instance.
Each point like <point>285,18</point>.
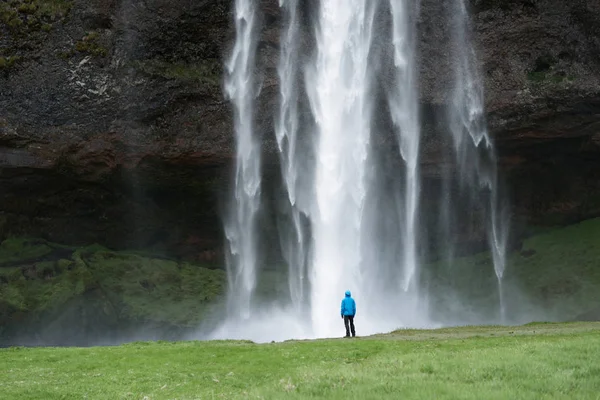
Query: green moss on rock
<point>17,13</point>
<point>15,250</point>
<point>207,72</point>
<point>537,76</point>
<point>155,289</point>
<point>545,71</point>
<point>557,272</point>
<point>8,62</point>
<point>133,287</point>
<point>53,9</point>
<point>28,23</point>
<point>90,44</point>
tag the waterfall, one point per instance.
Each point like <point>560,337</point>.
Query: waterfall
<point>350,221</point>
<point>473,147</point>
<point>292,234</point>
<point>339,87</point>
<point>240,224</point>
<point>405,115</point>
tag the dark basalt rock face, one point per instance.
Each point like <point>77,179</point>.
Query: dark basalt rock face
<point>114,128</point>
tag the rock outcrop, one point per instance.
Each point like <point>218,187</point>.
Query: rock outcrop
<point>114,128</point>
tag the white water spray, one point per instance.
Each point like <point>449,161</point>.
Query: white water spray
<point>240,226</point>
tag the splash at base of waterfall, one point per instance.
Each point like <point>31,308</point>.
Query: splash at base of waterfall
<point>274,323</point>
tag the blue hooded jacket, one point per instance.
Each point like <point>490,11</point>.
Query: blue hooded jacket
<point>348,305</point>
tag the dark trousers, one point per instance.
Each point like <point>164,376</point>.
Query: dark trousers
<point>349,323</point>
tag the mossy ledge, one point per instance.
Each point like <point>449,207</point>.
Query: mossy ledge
<point>554,276</point>
<point>49,290</point>
<point>206,72</point>
<point>42,283</point>
<point>27,24</point>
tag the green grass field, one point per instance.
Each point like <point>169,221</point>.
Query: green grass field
<point>535,361</point>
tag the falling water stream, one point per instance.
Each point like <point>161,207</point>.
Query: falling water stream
<point>473,147</point>
<point>331,233</point>
<point>240,227</point>
<point>286,130</point>
<point>339,85</point>
<point>404,109</point>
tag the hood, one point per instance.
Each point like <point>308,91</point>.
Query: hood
<point>347,293</point>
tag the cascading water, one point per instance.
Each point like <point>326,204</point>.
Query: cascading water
<point>345,226</point>
<point>473,147</point>
<point>339,85</point>
<point>286,131</point>
<point>240,227</point>
<point>404,109</point>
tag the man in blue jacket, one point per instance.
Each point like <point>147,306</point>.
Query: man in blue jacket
<point>348,313</point>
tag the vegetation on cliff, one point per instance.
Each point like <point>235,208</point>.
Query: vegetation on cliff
<point>206,71</point>
<point>39,279</point>
<point>27,24</point>
<point>21,16</point>
<point>89,45</point>
<point>555,276</point>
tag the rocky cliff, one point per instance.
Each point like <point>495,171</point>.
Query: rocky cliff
<point>114,128</point>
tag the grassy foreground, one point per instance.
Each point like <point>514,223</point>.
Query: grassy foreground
<point>536,361</point>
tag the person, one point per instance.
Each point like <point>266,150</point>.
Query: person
<point>348,313</point>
